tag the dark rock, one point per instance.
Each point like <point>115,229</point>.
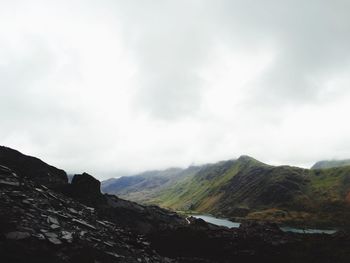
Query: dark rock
<point>256,227</point>
<point>114,254</point>
<point>86,184</point>
<point>240,211</point>
<point>17,235</point>
<point>50,235</point>
<point>31,167</point>
<point>54,240</point>
<point>86,189</point>
<point>72,210</point>
<point>83,223</point>
<point>52,220</point>
<point>142,219</point>
<point>53,226</point>
<point>11,183</point>
<point>77,232</point>
<point>67,235</point>
<point>196,221</point>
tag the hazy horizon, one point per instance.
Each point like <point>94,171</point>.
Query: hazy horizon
<point>128,86</point>
<point>119,173</point>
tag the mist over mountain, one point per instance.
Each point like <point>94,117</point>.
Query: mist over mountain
<point>331,164</point>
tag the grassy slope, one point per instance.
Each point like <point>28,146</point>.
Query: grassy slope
<point>201,191</point>
<point>282,194</point>
<point>248,188</point>
<point>323,200</point>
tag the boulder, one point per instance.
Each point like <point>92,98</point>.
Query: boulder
<point>86,189</point>
<point>86,184</point>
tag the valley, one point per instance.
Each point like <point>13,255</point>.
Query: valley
<point>247,189</point>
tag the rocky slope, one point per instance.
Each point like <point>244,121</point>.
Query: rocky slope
<point>71,222</point>
<point>32,168</point>
<point>40,225</point>
<point>247,188</point>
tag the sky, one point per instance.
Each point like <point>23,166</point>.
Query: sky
<point>118,87</point>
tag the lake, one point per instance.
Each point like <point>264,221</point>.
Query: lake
<point>230,224</point>
<point>308,230</point>
<point>218,221</point>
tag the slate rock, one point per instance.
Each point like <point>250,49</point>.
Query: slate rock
<point>52,220</point>
<point>55,241</point>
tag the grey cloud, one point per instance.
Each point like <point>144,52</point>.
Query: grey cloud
<point>80,116</point>
<point>172,40</point>
<point>311,39</point>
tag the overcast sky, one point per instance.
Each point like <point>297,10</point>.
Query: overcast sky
<point>112,87</point>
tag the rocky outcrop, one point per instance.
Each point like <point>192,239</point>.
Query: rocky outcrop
<point>86,189</point>
<point>40,225</point>
<point>139,218</point>
<point>85,184</point>
<point>33,168</point>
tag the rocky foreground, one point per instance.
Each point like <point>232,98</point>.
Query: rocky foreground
<point>45,219</point>
<point>40,225</point>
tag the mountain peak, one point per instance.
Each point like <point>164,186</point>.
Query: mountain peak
<point>247,158</point>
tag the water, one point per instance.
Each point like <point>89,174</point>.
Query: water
<point>230,224</point>
<point>218,221</point>
<point>308,230</point>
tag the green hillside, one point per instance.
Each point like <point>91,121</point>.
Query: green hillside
<point>247,188</point>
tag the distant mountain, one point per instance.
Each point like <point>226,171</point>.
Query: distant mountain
<point>143,187</point>
<point>331,164</point>
<point>107,182</point>
<point>251,189</point>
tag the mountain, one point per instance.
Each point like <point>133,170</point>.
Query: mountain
<point>32,167</point>
<point>247,188</point>
<point>331,164</point>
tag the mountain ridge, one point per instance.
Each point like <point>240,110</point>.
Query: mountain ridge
<point>247,188</point>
